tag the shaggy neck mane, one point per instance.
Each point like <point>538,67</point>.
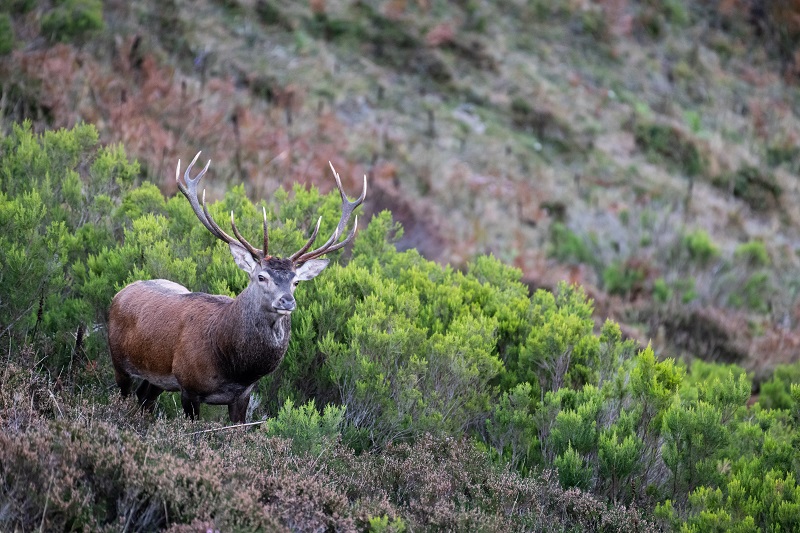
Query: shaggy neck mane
<point>256,338</point>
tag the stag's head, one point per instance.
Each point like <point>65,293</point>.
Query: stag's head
<point>274,279</point>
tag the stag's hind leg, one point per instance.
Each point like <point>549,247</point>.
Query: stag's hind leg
<point>191,404</point>
<point>147,393</point>
<point>124,381</point>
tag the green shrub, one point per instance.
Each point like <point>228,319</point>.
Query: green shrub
<point>20,6</point>
<point>755,293</point>
<point>752,253</point>
<point>6,34</point>
<point>784,152</point>
<point>618,459</point>
<point>72,19</point>
<point>671,145</point>
<point>572,472</point>
<point>775,393</point>
<point>683,289</point>
<point>623,277</point>
<point>755,187</point>
<point>426,367</point>
<point>566,246</point>
<point>560,349</point>
<point>382,524</point>
<point>700,247</point>
<point>662,292</point>
<point>55,198</point>
<point>310,431</point>
<point>511,428</point>
<point>676,12</point>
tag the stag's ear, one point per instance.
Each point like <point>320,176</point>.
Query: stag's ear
<point>242,257</point>
<point>310,269</point>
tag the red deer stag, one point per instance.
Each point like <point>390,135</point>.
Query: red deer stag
<point>214,348</point>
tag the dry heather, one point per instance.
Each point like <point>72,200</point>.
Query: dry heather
<point>68,464</point>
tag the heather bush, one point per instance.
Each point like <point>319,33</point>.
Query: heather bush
<point>76,466</point>
<point>72,19</point>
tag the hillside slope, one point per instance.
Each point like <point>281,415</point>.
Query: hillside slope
<point>646,150</point>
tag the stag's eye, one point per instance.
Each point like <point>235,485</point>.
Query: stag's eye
<point>262,278</point>
<point>295,283</point>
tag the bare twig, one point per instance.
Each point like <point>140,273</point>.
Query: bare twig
<point>228,427</point>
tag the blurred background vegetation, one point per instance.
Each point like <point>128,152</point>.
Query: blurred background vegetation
<point>546,167</point>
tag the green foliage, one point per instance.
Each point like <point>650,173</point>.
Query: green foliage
<point>6,34</point>
<point>560,349</point>
<point>776,392</point>
<point>310,431</point>
<point>693,435</point>
<point>567,246</point>
<point>410,359</point>
<point>653,385</point>
<point>754,293</point>
<point>700,247</point>
<point>752,253</point>
<point>72,19</point>
<point>572,471</point>
<point>675,12</point>
<point>511,428</point>
<point>681,289</point>
<point>382,524</point>
<point>618,458</point>
<point>623,277</point>
<point>661,291</point>
<point>754,186</point>
<point>700,372</point>
<point>671,145</point>
<point>54,213</point>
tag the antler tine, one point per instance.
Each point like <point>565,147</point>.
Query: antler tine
<point>215,229</point>
<point>342,243</point>
<point>308,243</point>
<point>347,209</point>
<point>266,232</point>
<point>250,248</point>
<point>347,206</point>
<point>191,192</point>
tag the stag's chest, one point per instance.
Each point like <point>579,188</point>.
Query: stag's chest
<point>257,354</point>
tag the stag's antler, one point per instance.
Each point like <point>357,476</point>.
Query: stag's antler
<point>190,192</point>
<point>301,256</point>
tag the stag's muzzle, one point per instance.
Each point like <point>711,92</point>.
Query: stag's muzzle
<point>285,304</point>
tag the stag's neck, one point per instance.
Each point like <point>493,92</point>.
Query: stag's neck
<point>256,339</point>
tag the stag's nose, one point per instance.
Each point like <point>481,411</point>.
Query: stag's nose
<point>285,304</point>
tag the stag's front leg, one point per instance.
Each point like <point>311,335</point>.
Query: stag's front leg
<point>191,404</point>
<point>237,409</point>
